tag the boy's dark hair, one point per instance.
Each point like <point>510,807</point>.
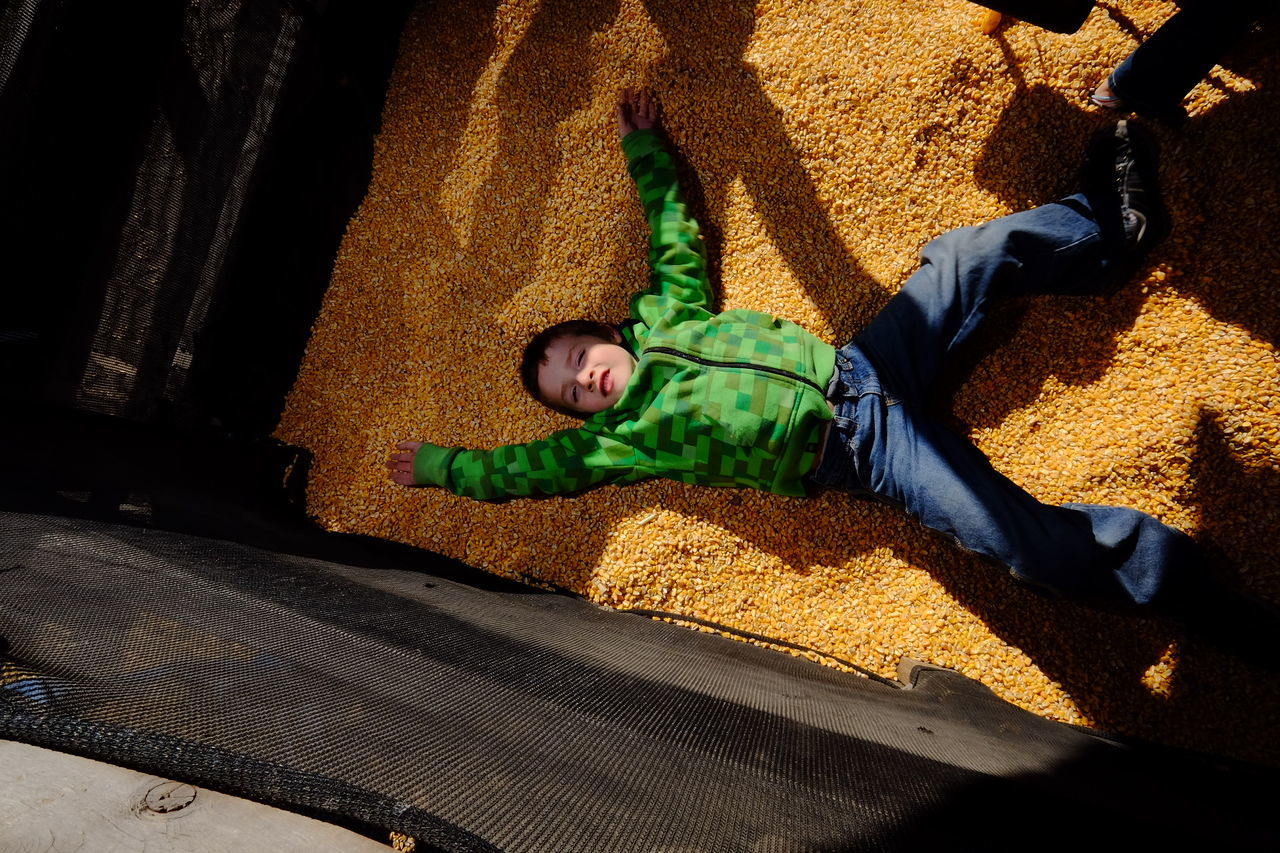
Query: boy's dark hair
<point>535,355</point>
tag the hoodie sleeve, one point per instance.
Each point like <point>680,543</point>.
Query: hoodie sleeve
<point>677,259</point>
<point>563,463</point>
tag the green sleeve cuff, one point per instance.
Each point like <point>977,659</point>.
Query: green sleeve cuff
<point>638,143</point>
<point>431,464</point>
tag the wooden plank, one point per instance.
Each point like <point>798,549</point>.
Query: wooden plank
<point>52,802</point>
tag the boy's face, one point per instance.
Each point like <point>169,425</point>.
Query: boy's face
<point>584,373</point>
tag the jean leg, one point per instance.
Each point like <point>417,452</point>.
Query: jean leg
<point>1099,554</point>
<point>1158,75</point>
<point>1055,248</point>
<point>899,453</point>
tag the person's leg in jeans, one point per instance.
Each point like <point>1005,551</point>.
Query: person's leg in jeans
<point>945,482</point>
<point>887,442</point>
<point>1057,248</point>
<point>1155,78</point>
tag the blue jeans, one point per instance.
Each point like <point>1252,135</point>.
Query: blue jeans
<point>885,443</point>
<point>1155,78</point>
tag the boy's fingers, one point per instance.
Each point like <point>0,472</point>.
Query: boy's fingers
<point>643,106</point>
<point>401,464</point>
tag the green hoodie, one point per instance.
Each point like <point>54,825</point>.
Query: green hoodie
<point>729,399</point>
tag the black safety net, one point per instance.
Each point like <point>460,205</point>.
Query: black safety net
<point>507,718</point>
<point>175,179</point>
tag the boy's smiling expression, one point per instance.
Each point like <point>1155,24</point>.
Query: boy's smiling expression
<point>585,373</point>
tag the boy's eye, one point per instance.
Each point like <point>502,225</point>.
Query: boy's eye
<point>581,353</point>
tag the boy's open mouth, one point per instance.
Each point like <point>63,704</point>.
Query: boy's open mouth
<point>606,383</point>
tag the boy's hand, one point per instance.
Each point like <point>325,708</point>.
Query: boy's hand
<point>401,464</point>
<point>636,111</point>
<point>421,463</point>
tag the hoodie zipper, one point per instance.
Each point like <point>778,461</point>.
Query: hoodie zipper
<point>746,365</point>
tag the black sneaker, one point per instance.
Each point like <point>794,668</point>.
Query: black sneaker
<point>1145,220</point>
<point>1121,181</point>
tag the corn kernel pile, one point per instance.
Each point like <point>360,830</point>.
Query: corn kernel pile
<point>825,143</point>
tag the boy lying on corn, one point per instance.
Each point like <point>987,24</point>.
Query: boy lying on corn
<point>741,398</point>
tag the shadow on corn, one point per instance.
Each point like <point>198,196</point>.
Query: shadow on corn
<point>442,110</point>
<point>532,98</point>
<point>1239,507</point>
<point>1224,191</point>
<point>1137,693</point>
<point>1222,187</point>
<point>1239,526</point>
<point>704,73</point>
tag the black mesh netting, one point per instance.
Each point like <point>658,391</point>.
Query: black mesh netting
<point>520,720</point>
<point>175,180</point>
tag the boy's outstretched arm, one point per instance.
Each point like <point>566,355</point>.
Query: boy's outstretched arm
<point>676,256</point>
<point>563,463</point>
